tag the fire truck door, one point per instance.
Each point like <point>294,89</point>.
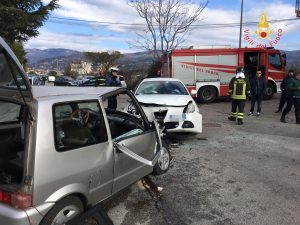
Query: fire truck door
<point>252,62</point>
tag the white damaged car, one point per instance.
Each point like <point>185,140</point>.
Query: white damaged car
<point>168,101</point>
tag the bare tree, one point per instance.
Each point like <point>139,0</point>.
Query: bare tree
<point>105,59</point>
<point>168,22</point>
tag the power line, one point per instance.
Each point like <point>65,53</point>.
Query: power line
<point>70,21</point>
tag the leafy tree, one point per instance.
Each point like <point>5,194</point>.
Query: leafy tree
<point>69,72</point>
<point>154,69</point>
<point>168,22</point>
<point>104,59</point>
<point>20,19</point>
<point>52,73</point>
<point>18,49</point>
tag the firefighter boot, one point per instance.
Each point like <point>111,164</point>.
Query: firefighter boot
<point>240,121</point>
<point>231,118</point>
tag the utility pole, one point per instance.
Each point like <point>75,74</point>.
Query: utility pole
<point>168,61</point>
<point>297,8</point>
<point>241,25</point>
<point>240,39</point>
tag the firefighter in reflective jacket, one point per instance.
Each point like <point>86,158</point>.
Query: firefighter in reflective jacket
<point>239,91</point>
<point>101,78</point>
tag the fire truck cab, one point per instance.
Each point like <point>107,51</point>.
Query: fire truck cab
<point>209,71</point>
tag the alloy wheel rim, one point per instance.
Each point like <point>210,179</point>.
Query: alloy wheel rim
<point>66,214</point>
<point>164,160</point>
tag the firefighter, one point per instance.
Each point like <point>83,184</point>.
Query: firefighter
<point>239,91</point>
<point>101,78</point>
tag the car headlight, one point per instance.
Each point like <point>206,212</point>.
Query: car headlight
<point>189,108</point>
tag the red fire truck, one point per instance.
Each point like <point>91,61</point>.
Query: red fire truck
<point>207,72</point>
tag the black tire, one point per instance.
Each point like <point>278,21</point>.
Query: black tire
<point>163,163</point>
<point>206,94</point>
<point>63,211</point>
<point>94,216</point>
<point>270,90</point>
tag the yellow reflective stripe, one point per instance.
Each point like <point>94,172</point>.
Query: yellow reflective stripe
<point>240,115</point>
<point>239,97</point>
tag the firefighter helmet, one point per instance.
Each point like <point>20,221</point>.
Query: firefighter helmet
<point>240,75</point>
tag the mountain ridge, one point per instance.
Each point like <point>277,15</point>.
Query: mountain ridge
<point>60,58</point>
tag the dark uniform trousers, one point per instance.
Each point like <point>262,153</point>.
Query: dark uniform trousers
<point>283,100</point>
<point>290,102</point>
<point>240,104</point>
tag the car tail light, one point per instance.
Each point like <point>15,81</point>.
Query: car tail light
<point>17,200</point>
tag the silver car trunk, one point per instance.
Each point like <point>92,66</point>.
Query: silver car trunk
<point>15,99</point>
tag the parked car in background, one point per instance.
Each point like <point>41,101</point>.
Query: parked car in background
<point>51,78</point>
<point>169,101</point>
<point>86,78</point>
<point>93,82</point>
<point>64,81</point>
<point>36,80</point>
<point>63,150</point>
<point>123,83</point>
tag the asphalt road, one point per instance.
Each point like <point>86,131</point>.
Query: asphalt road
<point>228,175</point>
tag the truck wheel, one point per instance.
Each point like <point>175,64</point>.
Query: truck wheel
<point>163,163</point>
<point>206,94</point>
<point>270,90</point>
<point>63,211</point>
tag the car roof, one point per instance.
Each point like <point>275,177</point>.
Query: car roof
<point>50,91</point>
<point>161,79</point>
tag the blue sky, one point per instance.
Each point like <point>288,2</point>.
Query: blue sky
<point>66,27</point>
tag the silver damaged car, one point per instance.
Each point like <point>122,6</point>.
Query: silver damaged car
<point>65,149</point>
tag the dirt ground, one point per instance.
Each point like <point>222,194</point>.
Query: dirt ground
<point>228,175</point>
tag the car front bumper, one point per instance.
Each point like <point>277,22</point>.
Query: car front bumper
<point>179,122</point>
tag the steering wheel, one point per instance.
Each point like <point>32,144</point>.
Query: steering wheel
<point>81,115</point>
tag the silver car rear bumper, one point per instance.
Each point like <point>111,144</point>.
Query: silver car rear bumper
<point>30,216</point>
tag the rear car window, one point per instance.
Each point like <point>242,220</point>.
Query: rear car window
<point>78,124</point>
<point>10,76</point>
<point>10,112</point>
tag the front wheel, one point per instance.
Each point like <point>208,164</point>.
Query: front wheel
<point>163,162</point>
<point>207,94</point>
<point>63,211</point>
<point>270,90</point>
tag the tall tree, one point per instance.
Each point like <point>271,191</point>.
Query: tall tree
<point>168,22</point>
<point>20,19</point>
<point>104,59</point>
<point>18,49</point>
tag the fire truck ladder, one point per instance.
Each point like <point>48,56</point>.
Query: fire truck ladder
<point>297,8</point>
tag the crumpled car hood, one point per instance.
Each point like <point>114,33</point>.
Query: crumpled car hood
<point>166,100</point>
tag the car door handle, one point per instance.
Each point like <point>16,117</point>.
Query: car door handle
<point>135,156</point>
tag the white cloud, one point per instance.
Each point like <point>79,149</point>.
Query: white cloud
<point>73,41</point>
<point>118,11</point>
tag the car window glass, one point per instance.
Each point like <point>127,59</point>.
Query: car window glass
<point>7,70</point>
<point>123,116</point>
<point>78,124</point>
<point>10,112</point>
<point>161,87</point>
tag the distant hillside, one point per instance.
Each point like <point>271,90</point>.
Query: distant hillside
<point>293,59</point>
<point>53,59</point>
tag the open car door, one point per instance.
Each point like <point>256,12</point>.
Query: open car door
<point>137,143</point>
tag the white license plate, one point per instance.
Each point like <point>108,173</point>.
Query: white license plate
<point>177,117</point>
